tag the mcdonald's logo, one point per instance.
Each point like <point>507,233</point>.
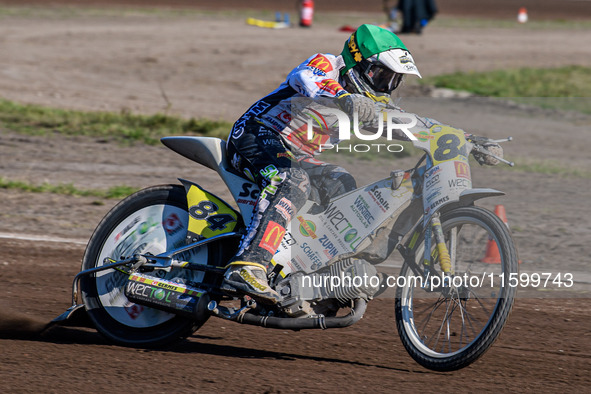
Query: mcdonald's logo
<point>462,170</point>
<point>272,237</point>
<point>321,63</point>
<point>329,85</point>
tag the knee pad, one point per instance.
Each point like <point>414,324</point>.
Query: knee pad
<point>337,181</point>
<point>298,179</point>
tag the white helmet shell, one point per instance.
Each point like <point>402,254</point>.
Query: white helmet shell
<point>398,60</point>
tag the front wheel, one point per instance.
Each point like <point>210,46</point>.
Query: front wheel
<point>153,220</point>
<point>447,322</point>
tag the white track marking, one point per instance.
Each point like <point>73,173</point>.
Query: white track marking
<point>43,238</point>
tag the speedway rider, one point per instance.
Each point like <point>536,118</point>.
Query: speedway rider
<point>265,145</point>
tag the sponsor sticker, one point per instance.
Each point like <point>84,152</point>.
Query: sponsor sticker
<point>329,249</point>
<point>423,136</point>
<point>172,224</point>
<point>362,211</point>
<point>284,116</point>
<point>285,208</point>
<point>320,62</point>
<point>354,49</point>
<point>404,59</point>
<point>272,237</point>
<point>329,85</point>
<point>462,169</point>
<point>432,181</point>
<point>376,195</point>
<point>307,228</point>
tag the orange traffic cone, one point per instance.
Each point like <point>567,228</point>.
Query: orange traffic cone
<point>500,212</point>
<point>522,15</point>
<point>492,255</point>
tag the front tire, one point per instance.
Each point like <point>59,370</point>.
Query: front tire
<point>152,220</point>
<point>450,327</point>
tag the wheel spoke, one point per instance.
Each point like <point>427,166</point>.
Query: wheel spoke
<point>442,323</point>
<point>427,318</point>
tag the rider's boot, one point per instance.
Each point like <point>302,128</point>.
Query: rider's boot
<point>248,278</point>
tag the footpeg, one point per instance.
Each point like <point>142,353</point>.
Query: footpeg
<point>229,313</point>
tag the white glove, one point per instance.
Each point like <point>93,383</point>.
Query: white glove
<point>364,106</point>
<point>483,158</point>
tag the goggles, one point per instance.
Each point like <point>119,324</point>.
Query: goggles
<point>381,78</point>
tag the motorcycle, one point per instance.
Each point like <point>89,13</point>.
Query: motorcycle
<point>152,270</point>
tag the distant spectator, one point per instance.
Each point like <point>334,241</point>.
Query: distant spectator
<point>415,14</point>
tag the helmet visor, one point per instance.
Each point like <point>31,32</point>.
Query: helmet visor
<point>381,78</point>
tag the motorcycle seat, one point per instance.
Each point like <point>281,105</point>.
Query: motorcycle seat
<point>207,151</point>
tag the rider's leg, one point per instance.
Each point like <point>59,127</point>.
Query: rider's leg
<point>330,180</point>
<point>284,190</point>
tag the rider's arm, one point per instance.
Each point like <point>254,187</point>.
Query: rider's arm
<point>317,77</point>
<point>403,124</point>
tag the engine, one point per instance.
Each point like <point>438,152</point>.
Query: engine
<point>328,289</point>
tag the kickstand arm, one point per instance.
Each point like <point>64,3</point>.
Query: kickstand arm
<point>135,259</point>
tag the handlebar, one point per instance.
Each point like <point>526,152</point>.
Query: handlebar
<point>478,143</point>
<point>480,149</point>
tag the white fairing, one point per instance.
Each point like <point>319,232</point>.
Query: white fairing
<point>346,227</point>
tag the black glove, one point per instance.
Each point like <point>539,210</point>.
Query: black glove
<point>364,106</point>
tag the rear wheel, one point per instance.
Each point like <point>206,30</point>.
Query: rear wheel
<point>447,324</point>
<point>152,220</point>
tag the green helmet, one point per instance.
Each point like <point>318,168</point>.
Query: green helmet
<point>376,60</point>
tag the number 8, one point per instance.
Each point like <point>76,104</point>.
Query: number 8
<point>450,143</point>
<point>203,209</point>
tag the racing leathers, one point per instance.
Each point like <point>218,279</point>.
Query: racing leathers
<point>272,146</point>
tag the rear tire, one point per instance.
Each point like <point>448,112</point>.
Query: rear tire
<point>152,220</point>
<point>446,330</point>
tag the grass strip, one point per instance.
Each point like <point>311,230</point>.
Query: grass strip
<point>548,168</point>
<point>123,127</point>
<point>568,81</point>
<point>115,192</point>
<point>536,166</point>
<point>449,21</point>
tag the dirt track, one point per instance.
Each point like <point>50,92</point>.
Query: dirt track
<point>106,62</point>
<point>544,348</point>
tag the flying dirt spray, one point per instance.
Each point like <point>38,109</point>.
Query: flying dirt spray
<point>18,325</point>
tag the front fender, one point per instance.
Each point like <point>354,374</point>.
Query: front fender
<point>468,196</point>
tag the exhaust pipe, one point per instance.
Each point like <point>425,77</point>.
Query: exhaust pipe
<point>291,323</point>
